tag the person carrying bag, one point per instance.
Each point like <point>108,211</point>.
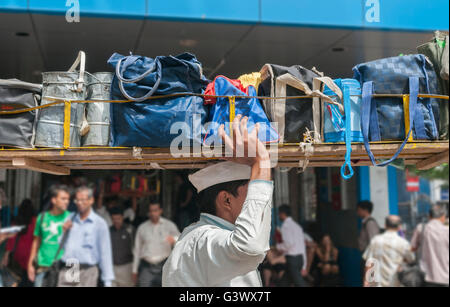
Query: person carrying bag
<point>51,278</point>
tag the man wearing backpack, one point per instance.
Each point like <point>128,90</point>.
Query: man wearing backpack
<point>47,234</point>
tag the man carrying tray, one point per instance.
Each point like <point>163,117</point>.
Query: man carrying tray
<point>225,247</point>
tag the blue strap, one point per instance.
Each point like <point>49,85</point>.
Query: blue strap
<point>374,128</point>
<point>365,114</point>
<point>348,136</point>
<point>419,126</point>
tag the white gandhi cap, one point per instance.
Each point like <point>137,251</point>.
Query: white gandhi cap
<point>219,173</point>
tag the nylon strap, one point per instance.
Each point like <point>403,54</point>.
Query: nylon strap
<point>58,101</point>
<point>406,110</point>
<point>67,115</point>
<point>232,101</point>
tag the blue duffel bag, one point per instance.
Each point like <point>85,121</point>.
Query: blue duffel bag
<point>147,122</point>
<point>220,112</point>
<point>383,118</point>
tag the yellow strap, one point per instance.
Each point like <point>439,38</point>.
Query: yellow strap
<point>67,109</point>
<point>232,100</point>
<point>433,96</point>
<point>407,119</point>
<point>58,101</point>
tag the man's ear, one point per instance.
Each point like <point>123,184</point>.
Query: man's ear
<point>223,200</point>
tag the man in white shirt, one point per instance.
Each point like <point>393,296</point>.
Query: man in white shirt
<point>385,253</point>
<point>153,245</point>
<point>225,247</point>
<point>432,242</point>
<point>294,249</point>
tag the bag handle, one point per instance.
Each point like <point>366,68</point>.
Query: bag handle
<point>348,136</point>
<point>294,82</point>
<point>368,108</point>
<point>80,61</point>
<point>128,62</point>
<point>317,82</point>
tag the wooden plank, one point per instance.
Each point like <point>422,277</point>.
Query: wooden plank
<point>38,166</point>
<point>164,153</point>
<point>433,161</point>
<point>6,165</point>
<point>288,155</point>
<point>72,163</point>
<point>203,164</point>
<point>138,166</point>
<point>198,160</point>
<point>336,163</point>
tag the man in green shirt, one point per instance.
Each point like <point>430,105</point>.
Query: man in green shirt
<point>47,234</point>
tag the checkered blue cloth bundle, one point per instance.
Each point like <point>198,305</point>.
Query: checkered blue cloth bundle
<point>391,76</point>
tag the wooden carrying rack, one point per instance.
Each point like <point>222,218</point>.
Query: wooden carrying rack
<point>423,154</point>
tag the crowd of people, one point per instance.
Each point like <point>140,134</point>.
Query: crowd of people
<point>91,246</point>
<point>389,260</point>
<point>103,245</point>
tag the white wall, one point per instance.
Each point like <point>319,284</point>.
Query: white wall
<point>379,193</point>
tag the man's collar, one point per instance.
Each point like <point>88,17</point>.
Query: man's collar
<point>436,221</point>
<point>90,217</point>
<point>160,221</point>
<point>391,231</point>
<point>217,221</point>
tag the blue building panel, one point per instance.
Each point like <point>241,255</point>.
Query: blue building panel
<point>13,5</point>
<point>100,8</point>
<point>393,190</point>
<point>363,183</point>
<point>420,15</point>
<point>403,195</point>
<point>343,13</point>
<point>208,10</point>
<point>423,206</point>
<point>413,15</point>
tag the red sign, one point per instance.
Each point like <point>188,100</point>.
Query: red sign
<point>412,183</point>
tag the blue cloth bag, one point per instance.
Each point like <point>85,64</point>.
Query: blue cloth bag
<point>334,121</point>
<point>384,118</point>
<point>250,107</point>
<point>148,122</point>
<point>346,127</point>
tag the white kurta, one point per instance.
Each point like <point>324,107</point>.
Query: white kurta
<point>216,253</point>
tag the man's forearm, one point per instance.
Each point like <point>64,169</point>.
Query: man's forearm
<point>261,170</point>
<point>34,249</point>
<point>252,232</point>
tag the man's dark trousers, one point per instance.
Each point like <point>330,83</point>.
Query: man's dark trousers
<point>293,276</point>
<point>150,275</point>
